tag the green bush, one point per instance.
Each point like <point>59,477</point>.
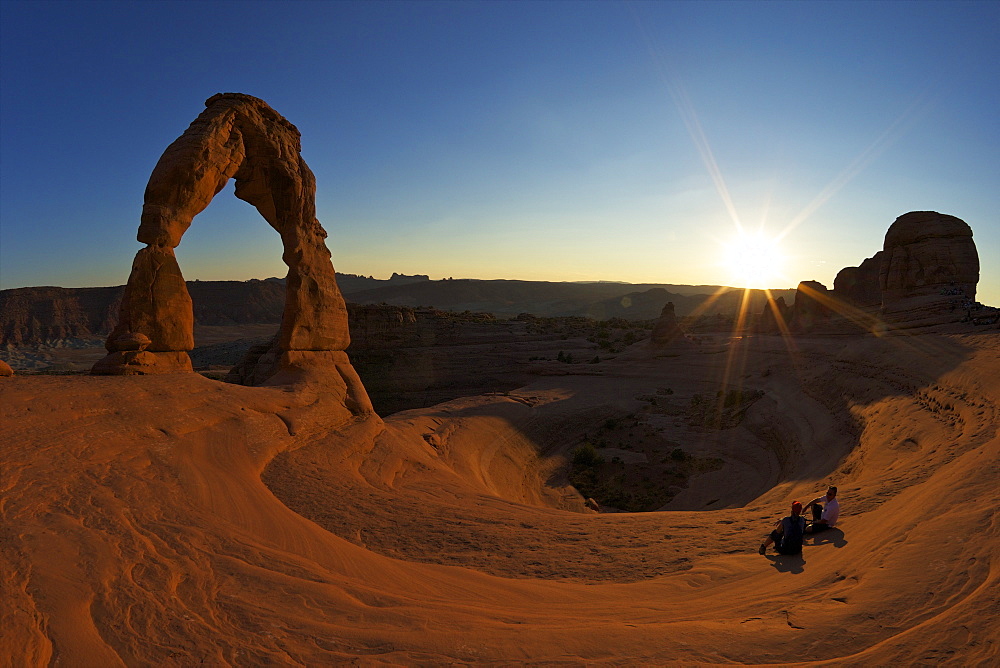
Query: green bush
<point>586,456</point>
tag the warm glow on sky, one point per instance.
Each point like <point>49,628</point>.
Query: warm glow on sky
<point>560,141</point>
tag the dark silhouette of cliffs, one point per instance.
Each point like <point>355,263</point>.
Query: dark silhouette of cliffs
<point>37,315</point>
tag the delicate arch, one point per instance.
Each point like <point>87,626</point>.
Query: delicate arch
<point>241,137</point>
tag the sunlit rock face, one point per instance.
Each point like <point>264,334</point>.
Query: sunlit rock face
<point>241,137</point>
<point>928,253</point>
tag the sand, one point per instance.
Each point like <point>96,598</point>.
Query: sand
<point>176,520</point>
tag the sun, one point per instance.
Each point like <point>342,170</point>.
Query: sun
<point>753,260</point>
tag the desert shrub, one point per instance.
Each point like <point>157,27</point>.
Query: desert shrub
<point>586,456</point>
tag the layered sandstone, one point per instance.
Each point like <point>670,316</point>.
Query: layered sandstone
<point>930,263</point>
<point>926,274</point>
<point>39,315</point>
<point>240,137</point>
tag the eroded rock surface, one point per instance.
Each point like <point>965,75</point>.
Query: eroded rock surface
<point>930,260</point>
<point>925,275</point>
<point>241,137</point>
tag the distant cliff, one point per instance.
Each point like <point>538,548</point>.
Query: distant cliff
<point>39,315</point>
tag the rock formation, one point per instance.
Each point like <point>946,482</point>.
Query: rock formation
<point>926,274</point>
<point>859,286</point>
<point>156,305</point>
<point>927,255</point>
<point>812,307</point>
<point>241,137</point>
<point>32,316</point>
<point>5,369</point>
<point>774,318</point>
<point>666,330</point>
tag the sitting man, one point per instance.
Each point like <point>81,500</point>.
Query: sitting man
<point>825,510</point>
<point>787,534</point>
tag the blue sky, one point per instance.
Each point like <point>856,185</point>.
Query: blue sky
<point>543,141</point>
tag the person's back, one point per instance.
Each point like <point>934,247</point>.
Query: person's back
<point>787,534</point>
<point>792,529</point>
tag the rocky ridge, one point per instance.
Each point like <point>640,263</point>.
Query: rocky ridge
<point>925,275</point>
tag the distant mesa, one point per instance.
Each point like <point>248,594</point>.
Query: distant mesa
<point>240,137</point>
<point>402,279</point>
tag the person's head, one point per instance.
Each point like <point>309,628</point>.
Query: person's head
<point>796,508</point>
<point>832,492</point>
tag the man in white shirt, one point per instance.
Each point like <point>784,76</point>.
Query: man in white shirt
<point>825,511</point>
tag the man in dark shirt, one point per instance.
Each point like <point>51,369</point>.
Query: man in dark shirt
<point>787,534</point>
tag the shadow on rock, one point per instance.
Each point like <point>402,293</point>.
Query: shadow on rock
<point>833,537</point>
<point>787,563</point>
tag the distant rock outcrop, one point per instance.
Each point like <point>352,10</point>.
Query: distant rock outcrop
<point>859,286</point>
<point>32,316</point>
<point>812,307</point>
<point>666,330</point>
<point>402,279</point>
<point>774,318</point>
<point>927,254</point>
<point>241,137</point>
<point>926,274</point>
<point>381,325</point>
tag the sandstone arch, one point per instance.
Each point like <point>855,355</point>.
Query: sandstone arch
<point>241,137</point>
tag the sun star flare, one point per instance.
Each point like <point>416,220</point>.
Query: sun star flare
<point>753,260</point>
